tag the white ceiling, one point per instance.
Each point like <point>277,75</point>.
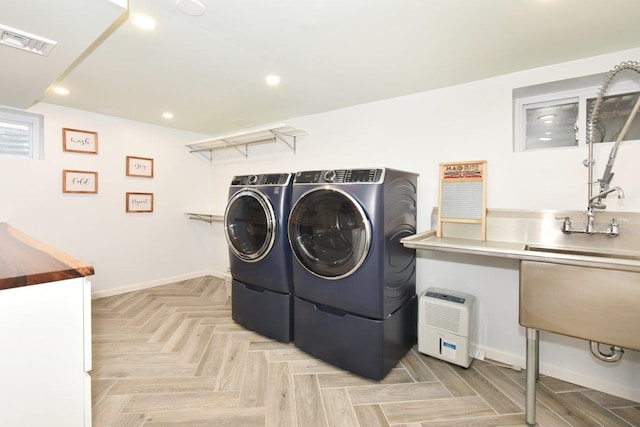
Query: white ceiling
<point>209,70</point>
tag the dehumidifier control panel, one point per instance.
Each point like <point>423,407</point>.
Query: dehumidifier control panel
<point>446,297</point>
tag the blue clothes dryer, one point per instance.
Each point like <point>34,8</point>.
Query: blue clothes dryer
<point>255,222</point>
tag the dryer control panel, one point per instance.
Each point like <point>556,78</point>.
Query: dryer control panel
<point>340,176</point>
<point>266,179</point>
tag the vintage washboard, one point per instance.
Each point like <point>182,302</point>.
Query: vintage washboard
<point>463,194</point>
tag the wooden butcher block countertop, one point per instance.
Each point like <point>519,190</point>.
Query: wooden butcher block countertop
<point>26,261</point>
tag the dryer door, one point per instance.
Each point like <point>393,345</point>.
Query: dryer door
<point>249,225</point>
<point>329,233</point>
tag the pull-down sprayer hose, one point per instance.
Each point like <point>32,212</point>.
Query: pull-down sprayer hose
<point>593,117</point>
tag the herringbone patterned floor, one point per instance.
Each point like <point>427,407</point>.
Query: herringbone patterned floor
<point>172,355</point>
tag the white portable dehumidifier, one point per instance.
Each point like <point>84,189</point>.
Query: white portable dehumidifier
<point>444,325</point>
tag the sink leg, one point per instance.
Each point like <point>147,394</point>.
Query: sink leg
<point>537,339</point>
<point>533,365</point>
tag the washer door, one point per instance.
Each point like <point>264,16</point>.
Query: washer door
<point>249,225</point>
<point>329,233</point>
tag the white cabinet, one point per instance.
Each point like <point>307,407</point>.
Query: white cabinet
<point>45,354</point>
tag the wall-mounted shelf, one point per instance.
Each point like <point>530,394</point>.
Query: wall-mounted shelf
<point>206,216</point>
<point>242,140</point>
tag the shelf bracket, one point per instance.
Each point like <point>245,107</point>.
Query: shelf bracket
<point>281,138</point>
<point>245,153</point>
<point>204,152</point>
<point>210,218</point>
<point>204,218</point>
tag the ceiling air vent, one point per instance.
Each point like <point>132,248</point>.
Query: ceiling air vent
<point>25,41</point>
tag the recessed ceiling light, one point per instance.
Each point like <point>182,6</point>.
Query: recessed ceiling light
<point>142,21</point>
<point>272,80</point>
<point>544,138</point>
<point>167,115</point>
<point>61,90</point>
<point>191,7</point>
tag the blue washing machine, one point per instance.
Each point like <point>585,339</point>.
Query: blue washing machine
<point>255,222</point>
<point>354,283</point>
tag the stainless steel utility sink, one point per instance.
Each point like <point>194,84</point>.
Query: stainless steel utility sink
<point>600,305</point>
<point>590,303</point>
<point>582,252</point>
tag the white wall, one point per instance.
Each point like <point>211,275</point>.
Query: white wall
<point>128,250</point>
<point>467,122</point>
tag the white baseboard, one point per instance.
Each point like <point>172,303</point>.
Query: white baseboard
<point>153,283</point>
<point>578,378</point>
<point>600,384</point>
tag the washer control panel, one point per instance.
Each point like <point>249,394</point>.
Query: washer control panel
<point>265,179</point>
<point>340,176</point>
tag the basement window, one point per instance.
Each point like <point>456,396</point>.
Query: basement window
<point>21,134</point>
<point>555,115</point>
<point>551,124</point>
<point>613,115</point>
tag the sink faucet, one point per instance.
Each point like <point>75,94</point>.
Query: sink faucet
<point>590,219</point>
<point>595,202</point>
<point>591,123</point>
<point>612,230</point>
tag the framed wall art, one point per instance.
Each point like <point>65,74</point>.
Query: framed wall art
<point>79,141</point>
<point>79,181</point>
<point>139,202</point>
<point>139,166</point>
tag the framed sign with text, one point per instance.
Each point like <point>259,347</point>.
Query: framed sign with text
<point>139,166</point>
<point>139,202</point>
<point>79,141</point>
<point>79,181</point>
